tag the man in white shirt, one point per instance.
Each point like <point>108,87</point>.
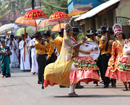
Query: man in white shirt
<point>29,39</point>
<point>33,56</point>
<point>24,50</point>
<point>13,47</point>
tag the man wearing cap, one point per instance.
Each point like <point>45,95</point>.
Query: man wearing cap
<point>50,50</point>
<point>99,33</point>
<point>76,31</point>
<point>40,47</point>
<point>24,51</point>
<point>14,57</point>
<point>105,48</point>
<point>91,35</point>
<point>58,40</point>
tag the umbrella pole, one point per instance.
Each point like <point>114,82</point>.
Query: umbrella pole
<point>24,40</point>
<point>60,24</point>
<point>11,32</point>
<point>7,34</point>
<point>36,28</point>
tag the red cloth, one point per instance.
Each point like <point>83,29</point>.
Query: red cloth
<point>74,40</point>
<point>123,76</point>
<point>84,76</point>
<point>111,74</point>
<point>47,82</point>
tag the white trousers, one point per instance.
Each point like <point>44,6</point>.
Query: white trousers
<point>14,59</point>
<point>72,87</point>
<point>34,63</point>
<point>24,65</point>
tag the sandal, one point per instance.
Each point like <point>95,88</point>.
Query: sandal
<point>73,94</point>
<point>2,76</point>
<point>125,89</point>
<point>33,73</point>
<point>76,95</point>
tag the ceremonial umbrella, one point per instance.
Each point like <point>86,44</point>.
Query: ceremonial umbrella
<point>59,17</point>
<point>57,27</point>
<point>33,15</point>
<point>46,23</point>
<point>23,23</point>
<point>8,27</point>
<point>20,31</point>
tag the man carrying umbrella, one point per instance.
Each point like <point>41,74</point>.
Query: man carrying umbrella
<point>24,51</point>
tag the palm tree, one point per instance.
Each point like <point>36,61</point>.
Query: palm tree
<point>9,6</point>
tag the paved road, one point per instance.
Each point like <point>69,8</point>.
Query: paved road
<point>22,89</point>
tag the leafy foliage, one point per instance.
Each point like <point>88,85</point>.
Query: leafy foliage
<point>8,6</point>
<point>49,9</point>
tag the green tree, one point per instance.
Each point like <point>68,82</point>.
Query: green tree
<point>52,6</point>
<point>9,6</point>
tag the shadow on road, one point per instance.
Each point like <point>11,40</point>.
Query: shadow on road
<point>94,96</point>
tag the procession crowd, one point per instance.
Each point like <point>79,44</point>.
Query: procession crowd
<point>64,61</point>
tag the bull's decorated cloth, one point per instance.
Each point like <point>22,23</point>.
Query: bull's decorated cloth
<point>86,70</point>
<point>85,63</point>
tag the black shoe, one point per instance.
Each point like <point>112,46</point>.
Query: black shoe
<point>42,86</point>
<point>62,86</point>
<point>95,82</point>
<point>113,83</point>
<point>101,82</point>
<point>24,70</point>
<point>106,86</point>
<point>79,86</point>
<point>39,82</point>
<point>113,86</point>
<point>28,70</point>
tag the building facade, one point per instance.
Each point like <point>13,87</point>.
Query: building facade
<point>115,13</point>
